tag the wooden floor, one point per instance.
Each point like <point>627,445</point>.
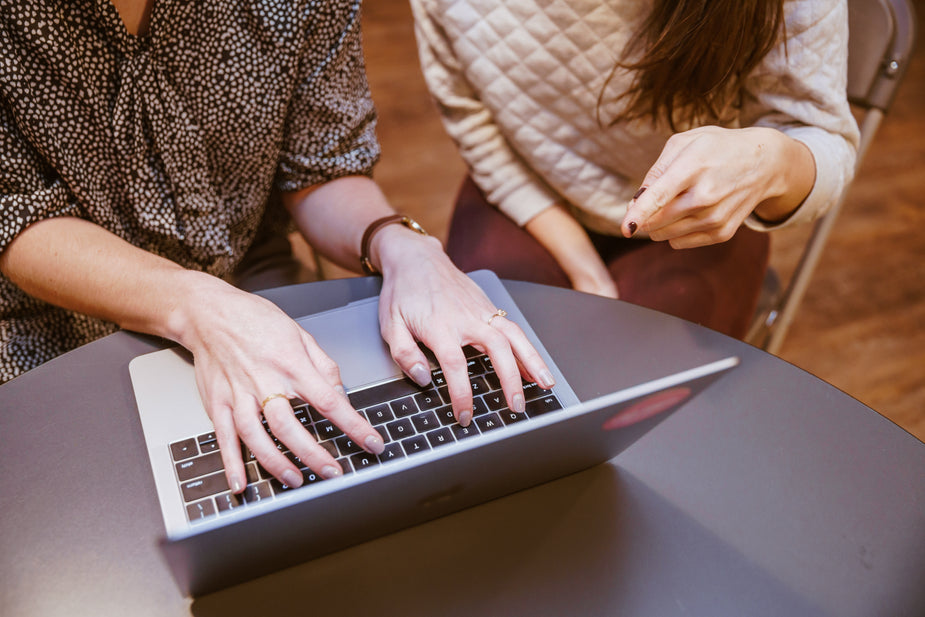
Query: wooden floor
<point>862,324</point>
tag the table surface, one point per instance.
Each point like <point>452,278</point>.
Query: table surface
<point>772,493</point>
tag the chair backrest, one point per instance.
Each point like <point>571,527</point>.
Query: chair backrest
<point>881,35</point>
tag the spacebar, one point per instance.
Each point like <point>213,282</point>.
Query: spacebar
<point>382,393</point>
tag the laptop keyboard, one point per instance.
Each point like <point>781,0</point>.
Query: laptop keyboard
<point>410,419</point>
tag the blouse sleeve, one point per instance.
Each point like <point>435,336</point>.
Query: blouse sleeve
<point>331,122</point>
<point>30,190</point>
<point>800,89</point>
<point>507,181</point>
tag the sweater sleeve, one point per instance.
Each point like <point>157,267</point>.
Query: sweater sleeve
<point>800,90</point>
<point>507,181</point>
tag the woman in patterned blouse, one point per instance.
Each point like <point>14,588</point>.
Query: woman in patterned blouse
<point>141,144</point>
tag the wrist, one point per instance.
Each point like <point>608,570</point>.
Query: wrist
<point>397,246</point>
<point>194,292</point>
<point>791,179</point>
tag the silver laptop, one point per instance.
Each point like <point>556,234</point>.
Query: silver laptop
<point>432,466</point>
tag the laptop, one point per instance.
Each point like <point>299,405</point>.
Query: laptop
<point>432,466</point>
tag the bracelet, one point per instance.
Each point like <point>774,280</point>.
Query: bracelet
<point>376,226</point>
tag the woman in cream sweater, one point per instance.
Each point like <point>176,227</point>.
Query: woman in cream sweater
<point>640,149</point>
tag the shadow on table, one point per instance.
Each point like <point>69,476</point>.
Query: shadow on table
<point>596,543</point>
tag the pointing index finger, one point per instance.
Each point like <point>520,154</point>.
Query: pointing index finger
<point>630,224</point>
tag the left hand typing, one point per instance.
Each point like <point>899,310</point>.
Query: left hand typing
<point>708,180</point>
<point>425,298</point>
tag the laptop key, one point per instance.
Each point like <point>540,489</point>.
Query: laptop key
<point>184,449</point>
<point>445,415</point>
<point>495,400</point>
<point>478,385</point>
<point>346,446</point>
<point>510,417</point>
<point>404,407</point>
<point>228,501</point>
<point>399,429</point>
<point>488,422</point>
<point>308,477</point>
<point>345,465</point>
<point>543,405</point>
<point>363,461</point>
<point>475,367</point>
<point>384,433</point>
<point>430,399</point>
<point>418,443</point>
<point>255,493</point>
<point>533,391</point>
<point>393,451</point>
<point>207,443</point>
<point>387,391</point>
<point>327,429</point>
<point>200,510</point>
<point>379,414</point>
<point>440,437</point>
<point>203,487</point>
<point>199,466</point>
<point>462,432</point>
<point>330,447</point>
<point>425,421</point>
<point>479,408</point>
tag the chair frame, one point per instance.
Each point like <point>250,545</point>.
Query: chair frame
<point>881,38</point>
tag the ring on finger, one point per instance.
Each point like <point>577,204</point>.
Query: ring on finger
<point>498,313</point>
<point>263,403</point>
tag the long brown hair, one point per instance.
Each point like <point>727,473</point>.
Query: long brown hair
<point>695,55</point>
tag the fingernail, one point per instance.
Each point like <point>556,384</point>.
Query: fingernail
<point>420,374</point>
<point>465,418</point>
<point>236,485</point>
<point>292,478</point>
<point>340,389</point>
<point>374,444</point>
<point>632,225</point>
<point>546,379</point>
<point>639,192</point>
<point>519,405</point>
<point>330,471</point>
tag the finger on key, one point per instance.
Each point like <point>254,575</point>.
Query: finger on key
<point>290,432</point>
<point>334,405</point>
<point>455,369</point>
<point>530,363</point>
<point>230,448</point>
<point>255,437</point>
<point>498,348</point>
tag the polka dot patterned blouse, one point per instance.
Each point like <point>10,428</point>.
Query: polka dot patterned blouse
<point>173,140</point>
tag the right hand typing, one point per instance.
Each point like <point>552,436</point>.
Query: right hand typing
<point>246,350</point>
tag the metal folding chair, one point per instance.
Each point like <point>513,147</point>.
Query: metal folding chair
<point>880,41</point>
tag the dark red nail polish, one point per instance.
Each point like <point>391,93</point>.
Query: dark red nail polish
<point>639,192</point>
<point>632,226</point>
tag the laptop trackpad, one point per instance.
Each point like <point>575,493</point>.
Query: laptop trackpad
<point>350,336</point>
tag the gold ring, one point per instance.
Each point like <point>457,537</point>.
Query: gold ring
<point>498,313</point>
<point>263,404</point>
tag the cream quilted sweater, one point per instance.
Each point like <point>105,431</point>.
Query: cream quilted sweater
<point>518,83</point>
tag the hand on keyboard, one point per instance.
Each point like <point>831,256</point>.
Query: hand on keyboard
<point>250,358</point>
<point>425,298</point>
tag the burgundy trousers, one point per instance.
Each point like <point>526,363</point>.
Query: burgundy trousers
<point>715,286</point>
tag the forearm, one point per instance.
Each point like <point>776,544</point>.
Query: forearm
<point>569,244</point>
<point>80,266</point>
<point>333,217</point>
